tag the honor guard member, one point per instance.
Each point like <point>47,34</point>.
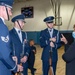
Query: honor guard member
<point>49,38</point>
<point>6,62</point>
<point>19,45</point>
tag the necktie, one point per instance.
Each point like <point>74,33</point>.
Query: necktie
<point>20,35</point>
<point>19,31</point>
<point>51,33</point>
<point>50,30</point>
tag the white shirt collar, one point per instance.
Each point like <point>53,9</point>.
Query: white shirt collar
<point>50,29</point>
<point>2,19</point>
<point>17,29</point>
<point>19,34</point>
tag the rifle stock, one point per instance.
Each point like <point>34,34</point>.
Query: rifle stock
<point>51,68</point>
<point>50,63</point>
<point>22,54</point>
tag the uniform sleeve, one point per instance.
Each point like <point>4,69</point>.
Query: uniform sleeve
<point>43,42</point>
<point>5,50</point>
<point>66,47</point>
<point>69,55</point>
<point>58,40</point>
<point>27,48</point>
<point>11,45</point>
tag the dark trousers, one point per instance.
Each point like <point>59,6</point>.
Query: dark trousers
<point>31,65</point>
<point>46,66</point>
<point>25,68</point>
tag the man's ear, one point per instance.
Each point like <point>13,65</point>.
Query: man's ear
<point>15,22</point>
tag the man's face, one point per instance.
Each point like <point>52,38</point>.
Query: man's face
<point>50,25</point>
<point>31,43</point>
<point>9,12</point>
<point>21,23</point>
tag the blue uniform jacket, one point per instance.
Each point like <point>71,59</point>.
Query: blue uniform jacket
<point>45,44</point>
<point>6,63</point>
<point>17,46</point>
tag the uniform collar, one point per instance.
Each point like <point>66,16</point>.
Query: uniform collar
<point>50,29</point>
<point>2,19</point>
<point>17,29</point>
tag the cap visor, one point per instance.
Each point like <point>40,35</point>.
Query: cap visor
<point>50,22</point>
<point>24,21</point>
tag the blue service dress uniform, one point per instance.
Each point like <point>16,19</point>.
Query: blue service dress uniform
<point>69,58</point>
<point>45,44</point>
<point>6,63</point>
<point>31,59</point>
<point>17,48</point>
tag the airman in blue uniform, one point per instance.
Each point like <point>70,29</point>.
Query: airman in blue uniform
<point>49,39</point>
<point>19,44</point>
<point>6,62</point>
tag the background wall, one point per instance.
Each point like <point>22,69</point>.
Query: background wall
<point>42,8</point>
